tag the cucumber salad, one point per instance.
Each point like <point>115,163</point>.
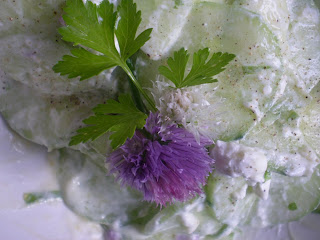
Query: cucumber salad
<point>169,119</point>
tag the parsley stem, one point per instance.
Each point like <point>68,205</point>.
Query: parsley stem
<point>137,98</point>
<point>135,92</point>
<point>126,68</point>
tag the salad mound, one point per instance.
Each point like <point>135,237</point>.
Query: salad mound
<point>221,127</point>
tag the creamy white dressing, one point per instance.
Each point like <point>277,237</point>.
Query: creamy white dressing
<point>165,34</point>
<point>298,164</point>
<point>294,26</point>
<point>236,160</point>
<point>262,189</point>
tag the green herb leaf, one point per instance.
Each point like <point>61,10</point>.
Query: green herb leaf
<point>121,117</point>
<point>127,28</point>
<point>292,206</point>
<point>93,27</point>
<point>177,66</point>
<point>84,64</point>
<point>202,69</point>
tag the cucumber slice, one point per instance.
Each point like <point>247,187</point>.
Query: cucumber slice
<point>29,59</point>
<point>230,29</point>
<point>296,25</point>
<point>35,16</point>
<point>301,52</point>
<point>223,192</point>
<point>87,191</point>
<point>31,46</point>
<point>289,141</point>
<point>310,121</point>
<point>201,111</point>
<point>281,138</point>
<point>285,191</point>
<point>274,13</point>
<point>290,199</point>
<point>244,34</point>
<point>238,100</point>
<point>192,218</point>
<point>167,19</point>
<point>48,120</point>
<point>304,43</point>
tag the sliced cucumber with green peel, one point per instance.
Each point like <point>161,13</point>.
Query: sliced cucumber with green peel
<point>296,24</point>
<point>167,19</point>
<point>230,29</point>
<point>274,13</point>
<point>301,54</point>
<point>89,192</point>
<point>310,120</point>
<point>289,140</point>
<point>46,119</point>
<point>238,100</point>
<point>31,46</point>
<point>193,217</point>
<point>222,193</point>
<point>282,139</point>
<point>285,192</point>
<point>29,58</point>
<point>290,198</point>
<point>36,16</point>
<point>304,43</point>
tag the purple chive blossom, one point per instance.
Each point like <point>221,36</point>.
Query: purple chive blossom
<point>164,165</point>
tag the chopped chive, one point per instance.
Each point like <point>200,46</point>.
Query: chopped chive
<point>34,197</point>
<point>292,206</point>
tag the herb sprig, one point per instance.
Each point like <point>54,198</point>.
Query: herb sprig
<point>202,69</point>
<point>121,117</point>
<point>94,27</point>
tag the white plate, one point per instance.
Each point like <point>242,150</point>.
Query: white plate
<point>25,168</point>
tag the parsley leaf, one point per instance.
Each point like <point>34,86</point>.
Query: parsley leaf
<point>127,28</point>
<point>202,69</point>
<point>93,27</point>
<point>177,66</point>
<point>83,63</point>
<point>121,117</point>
